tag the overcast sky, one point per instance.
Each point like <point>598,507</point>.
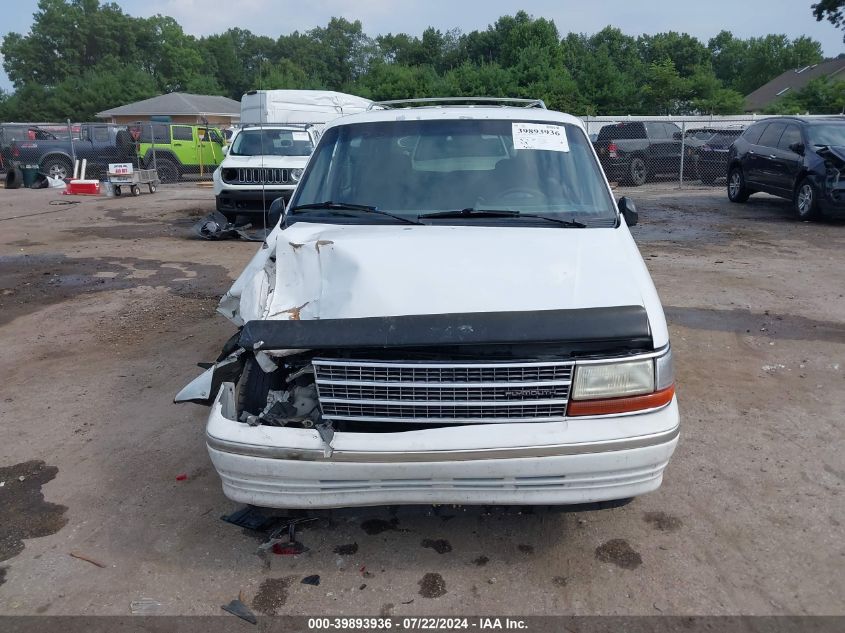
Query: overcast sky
<point>275,17</point>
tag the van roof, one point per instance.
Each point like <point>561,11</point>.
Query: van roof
<point>451,112</point>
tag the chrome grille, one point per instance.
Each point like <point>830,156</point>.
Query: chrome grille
<point>262,175</point>
<point>443,392</point>
<point>445,373</point>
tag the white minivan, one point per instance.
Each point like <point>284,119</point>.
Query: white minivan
<point>450,310</point>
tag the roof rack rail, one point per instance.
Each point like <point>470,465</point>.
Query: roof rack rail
<point>503,101</point>
<point>271,124</point>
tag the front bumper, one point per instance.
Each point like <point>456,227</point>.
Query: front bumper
<point>832,204</point>
<point>582,460</point>
<point>245,201</point>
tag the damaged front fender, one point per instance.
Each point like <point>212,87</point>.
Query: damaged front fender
<point>204,387</point>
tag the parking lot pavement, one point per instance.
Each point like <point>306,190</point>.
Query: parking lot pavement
<point>106,306</point>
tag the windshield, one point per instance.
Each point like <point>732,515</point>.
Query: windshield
<point>411,168</point>
<point>827,134</point>
<point>259,142</point>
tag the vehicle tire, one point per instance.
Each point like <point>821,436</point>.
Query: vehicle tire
<point>57,168</point>
<point>117,190</point>
<point>153,187</point>
<point>14,178</point>
<point>254,385</point>
<point>167,170</point>
<point>805,201</point>
<point>637,172</point>
<point>737,191</point>
<point>136,190</point>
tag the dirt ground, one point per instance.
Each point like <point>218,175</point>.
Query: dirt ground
<point>107,305</point>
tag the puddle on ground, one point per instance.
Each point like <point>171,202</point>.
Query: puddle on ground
<point>23,512</point>
<point>432,586</point>
<point>272,595</point>
<point>746,322</point>
<point>441,545</point>
<point>618,552</point>
<point>31,282</point>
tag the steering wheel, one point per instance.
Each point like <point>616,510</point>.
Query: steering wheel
<point>522,192</point>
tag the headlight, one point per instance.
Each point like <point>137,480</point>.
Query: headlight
<point>295,174</point>
<point>622,387</point>
<point>613,380</point>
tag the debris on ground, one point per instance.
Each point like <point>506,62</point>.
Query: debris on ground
<point>280,530</point>
<point>251,518</point>
<point>145,606</point>
<point>288,549</point>
<point>215,226</point>
<point>181,477</point>
<point>314,580</point>
<point>87,559</point>
<point>238,608</point>
<point>291,547</point>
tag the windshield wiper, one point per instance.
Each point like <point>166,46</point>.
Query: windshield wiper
<point>499,213</point>
<point>348,206</point>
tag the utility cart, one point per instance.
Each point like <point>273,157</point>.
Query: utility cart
<point>127,175</point>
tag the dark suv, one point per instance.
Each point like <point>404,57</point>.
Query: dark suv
<point>792,157</point>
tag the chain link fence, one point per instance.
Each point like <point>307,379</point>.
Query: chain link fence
<point>688,151</point>
<point>178,152</point>
<point>676,151</point>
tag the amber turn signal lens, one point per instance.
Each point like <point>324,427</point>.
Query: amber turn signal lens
<point>628,404</point>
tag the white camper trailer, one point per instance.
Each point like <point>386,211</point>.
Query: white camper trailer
<point>298,106</point>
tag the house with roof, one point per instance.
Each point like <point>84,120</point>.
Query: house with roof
<point>793,81</point>
<point>178,107</point>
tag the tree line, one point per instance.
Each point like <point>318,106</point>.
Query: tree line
<point>83,56</point>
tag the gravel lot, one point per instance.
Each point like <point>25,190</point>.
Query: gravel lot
<point>106,306</point>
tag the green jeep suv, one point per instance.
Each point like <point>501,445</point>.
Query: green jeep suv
<point>178,149</point>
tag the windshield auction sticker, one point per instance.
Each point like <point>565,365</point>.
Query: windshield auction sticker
<point>540,136</point>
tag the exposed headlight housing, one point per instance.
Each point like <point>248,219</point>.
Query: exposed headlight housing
<point>295,174</point>
<point>613,380</point>
<point>622,387</point>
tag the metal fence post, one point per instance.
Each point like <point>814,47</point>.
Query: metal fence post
<point>153,143</point>
<point>683,151</point>
<point>72,147</point>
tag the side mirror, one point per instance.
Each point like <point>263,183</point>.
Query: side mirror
<point>225,149</point>
<point>275,212</point>
<point>798,148</point>
<point>628,210</point>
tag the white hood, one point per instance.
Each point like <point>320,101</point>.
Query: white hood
<point>326,271</point>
